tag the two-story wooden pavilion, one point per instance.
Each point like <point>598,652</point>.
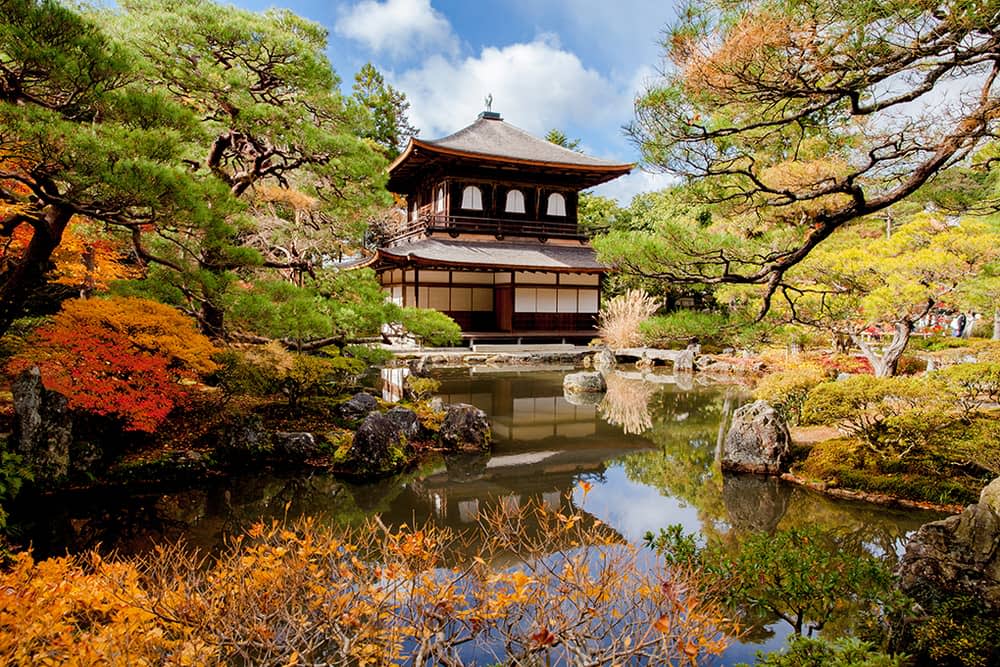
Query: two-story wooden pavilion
<point>491,236</point>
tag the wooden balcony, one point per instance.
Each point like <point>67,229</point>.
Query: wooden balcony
<point>499,228</point>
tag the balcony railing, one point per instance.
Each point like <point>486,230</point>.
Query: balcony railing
<point>500,228</point>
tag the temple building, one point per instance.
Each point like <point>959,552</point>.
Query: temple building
<point>491,235</point>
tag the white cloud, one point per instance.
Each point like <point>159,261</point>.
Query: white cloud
<point>536,86</point>
<point>398,27</point>
<point>625,188</point>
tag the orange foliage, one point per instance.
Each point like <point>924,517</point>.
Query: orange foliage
<point>122,357</point>
<point>85,258</point>
<point>540,588</point>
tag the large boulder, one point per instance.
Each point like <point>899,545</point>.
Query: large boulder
<point>990,495</point>
<point>244,440</point>
<point>465,428</point>
<point>295,447</point>
<point>359,406</point>
<point>406,420</point>
<point>957,556</point>
<point>758,441</point>
<point>379,445</point>
<point>43,428</point>
<point>584,383</point>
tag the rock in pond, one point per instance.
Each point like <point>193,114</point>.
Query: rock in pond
<point>584,383</point>
<point>43,428</point>
<point>758,441</point>
<point>465,428</point>
<point>406,420</point>
<point>379,445</point>
<point>957,556</point>
<point>358,407</point>
<point>296,446</point>
<point>604,359</point>
<point>245,439</point>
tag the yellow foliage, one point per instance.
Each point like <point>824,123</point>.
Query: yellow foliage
<point>304,594</point>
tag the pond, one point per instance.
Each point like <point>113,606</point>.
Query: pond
<point>648,451</point>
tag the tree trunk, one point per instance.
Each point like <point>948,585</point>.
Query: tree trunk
<point>996,324</point>
<point>29,272</point>
<point>885,364</point>
<point>212,320</point>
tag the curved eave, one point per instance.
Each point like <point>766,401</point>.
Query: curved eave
<point>606,172</point>
<point>416,260</point>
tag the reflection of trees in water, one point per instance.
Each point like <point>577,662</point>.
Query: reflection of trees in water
<point>626,403</point>
<point>688,430</point>
<point>683,463</point>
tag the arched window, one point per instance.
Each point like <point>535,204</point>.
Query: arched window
<point>515,202</point>
<point>556,205</point>
<point>439,200</point>
<point>472,198</point>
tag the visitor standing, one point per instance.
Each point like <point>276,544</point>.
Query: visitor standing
<point>957,325</point>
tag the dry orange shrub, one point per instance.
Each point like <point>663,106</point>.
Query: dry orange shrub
<point>619,319</point>
<point>540,587</point>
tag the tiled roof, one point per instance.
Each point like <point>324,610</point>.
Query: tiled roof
<point>493,136</point>
<point>486,254</point>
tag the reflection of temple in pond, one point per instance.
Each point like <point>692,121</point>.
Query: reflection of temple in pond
<point>524,408</point>
<point>543,445</point>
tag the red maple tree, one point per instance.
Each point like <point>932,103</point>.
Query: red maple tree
<point>122,357</point>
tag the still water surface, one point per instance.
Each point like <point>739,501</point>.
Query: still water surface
<point>648,449</point>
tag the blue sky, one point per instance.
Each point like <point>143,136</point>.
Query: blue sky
<point>575,65</point>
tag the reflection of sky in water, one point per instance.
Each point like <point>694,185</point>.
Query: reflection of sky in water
<point>633,508</point>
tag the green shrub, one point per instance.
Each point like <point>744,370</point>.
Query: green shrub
<point>13,475</point>
<point>959,632</point>
<point>370,355</point>
<point>804,576</point>
<point>971,385</point>
<point>786,390</point>
<point>804,338</point>
<point>936,343</point>
<point>430,327</point>
<point>682,327</point>
<point>271,369</point>
<point>422,388</point>
<point>891,415</point>
<point>843,652</point>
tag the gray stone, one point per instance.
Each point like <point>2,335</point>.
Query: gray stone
<point>990,495</point>
<point>406,419</point>
<point>684,361</point>
<point>245,435</point>
<point>584,383</point>
<point>604,360</point>
<point>758,441</point>
<point>43,428</point>
<point>843,376</point>
<point>957,556</point>
<point>379,446</point>
<point>465,428</point>
<point>358,407</point>
<point>295,446</point>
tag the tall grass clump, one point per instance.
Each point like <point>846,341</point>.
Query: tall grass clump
<point>619,320</point>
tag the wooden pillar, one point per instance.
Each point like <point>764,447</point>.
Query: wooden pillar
<point>416,286</point>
